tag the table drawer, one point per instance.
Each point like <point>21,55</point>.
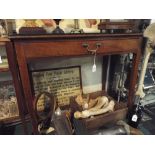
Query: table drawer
<point>79,47</point>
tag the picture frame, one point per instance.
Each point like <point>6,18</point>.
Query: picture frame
<point>63,82</point>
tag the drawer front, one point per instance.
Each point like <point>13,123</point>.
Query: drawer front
<point>120,46</point>
<point>79,47</point>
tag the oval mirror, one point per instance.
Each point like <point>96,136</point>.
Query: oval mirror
<point>44,106</point>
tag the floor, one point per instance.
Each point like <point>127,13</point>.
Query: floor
<point>147,125</point>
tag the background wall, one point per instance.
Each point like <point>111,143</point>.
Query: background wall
<point>91,81</point>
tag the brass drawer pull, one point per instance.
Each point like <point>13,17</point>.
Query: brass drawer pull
<point>91,51</point>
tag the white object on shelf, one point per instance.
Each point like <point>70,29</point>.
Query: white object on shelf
<point>0,59</point>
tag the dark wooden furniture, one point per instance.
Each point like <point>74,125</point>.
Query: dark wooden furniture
<point>13,68</point>
<point>111,25</point>
<point>29,48</point>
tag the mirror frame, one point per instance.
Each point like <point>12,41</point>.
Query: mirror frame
<point>52,104</point>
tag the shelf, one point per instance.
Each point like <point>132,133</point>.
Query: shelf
<point>4,70</point>
<point>10,120</point>
<point>3,41</point>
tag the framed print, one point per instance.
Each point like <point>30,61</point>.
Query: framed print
<point>62,82</point>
